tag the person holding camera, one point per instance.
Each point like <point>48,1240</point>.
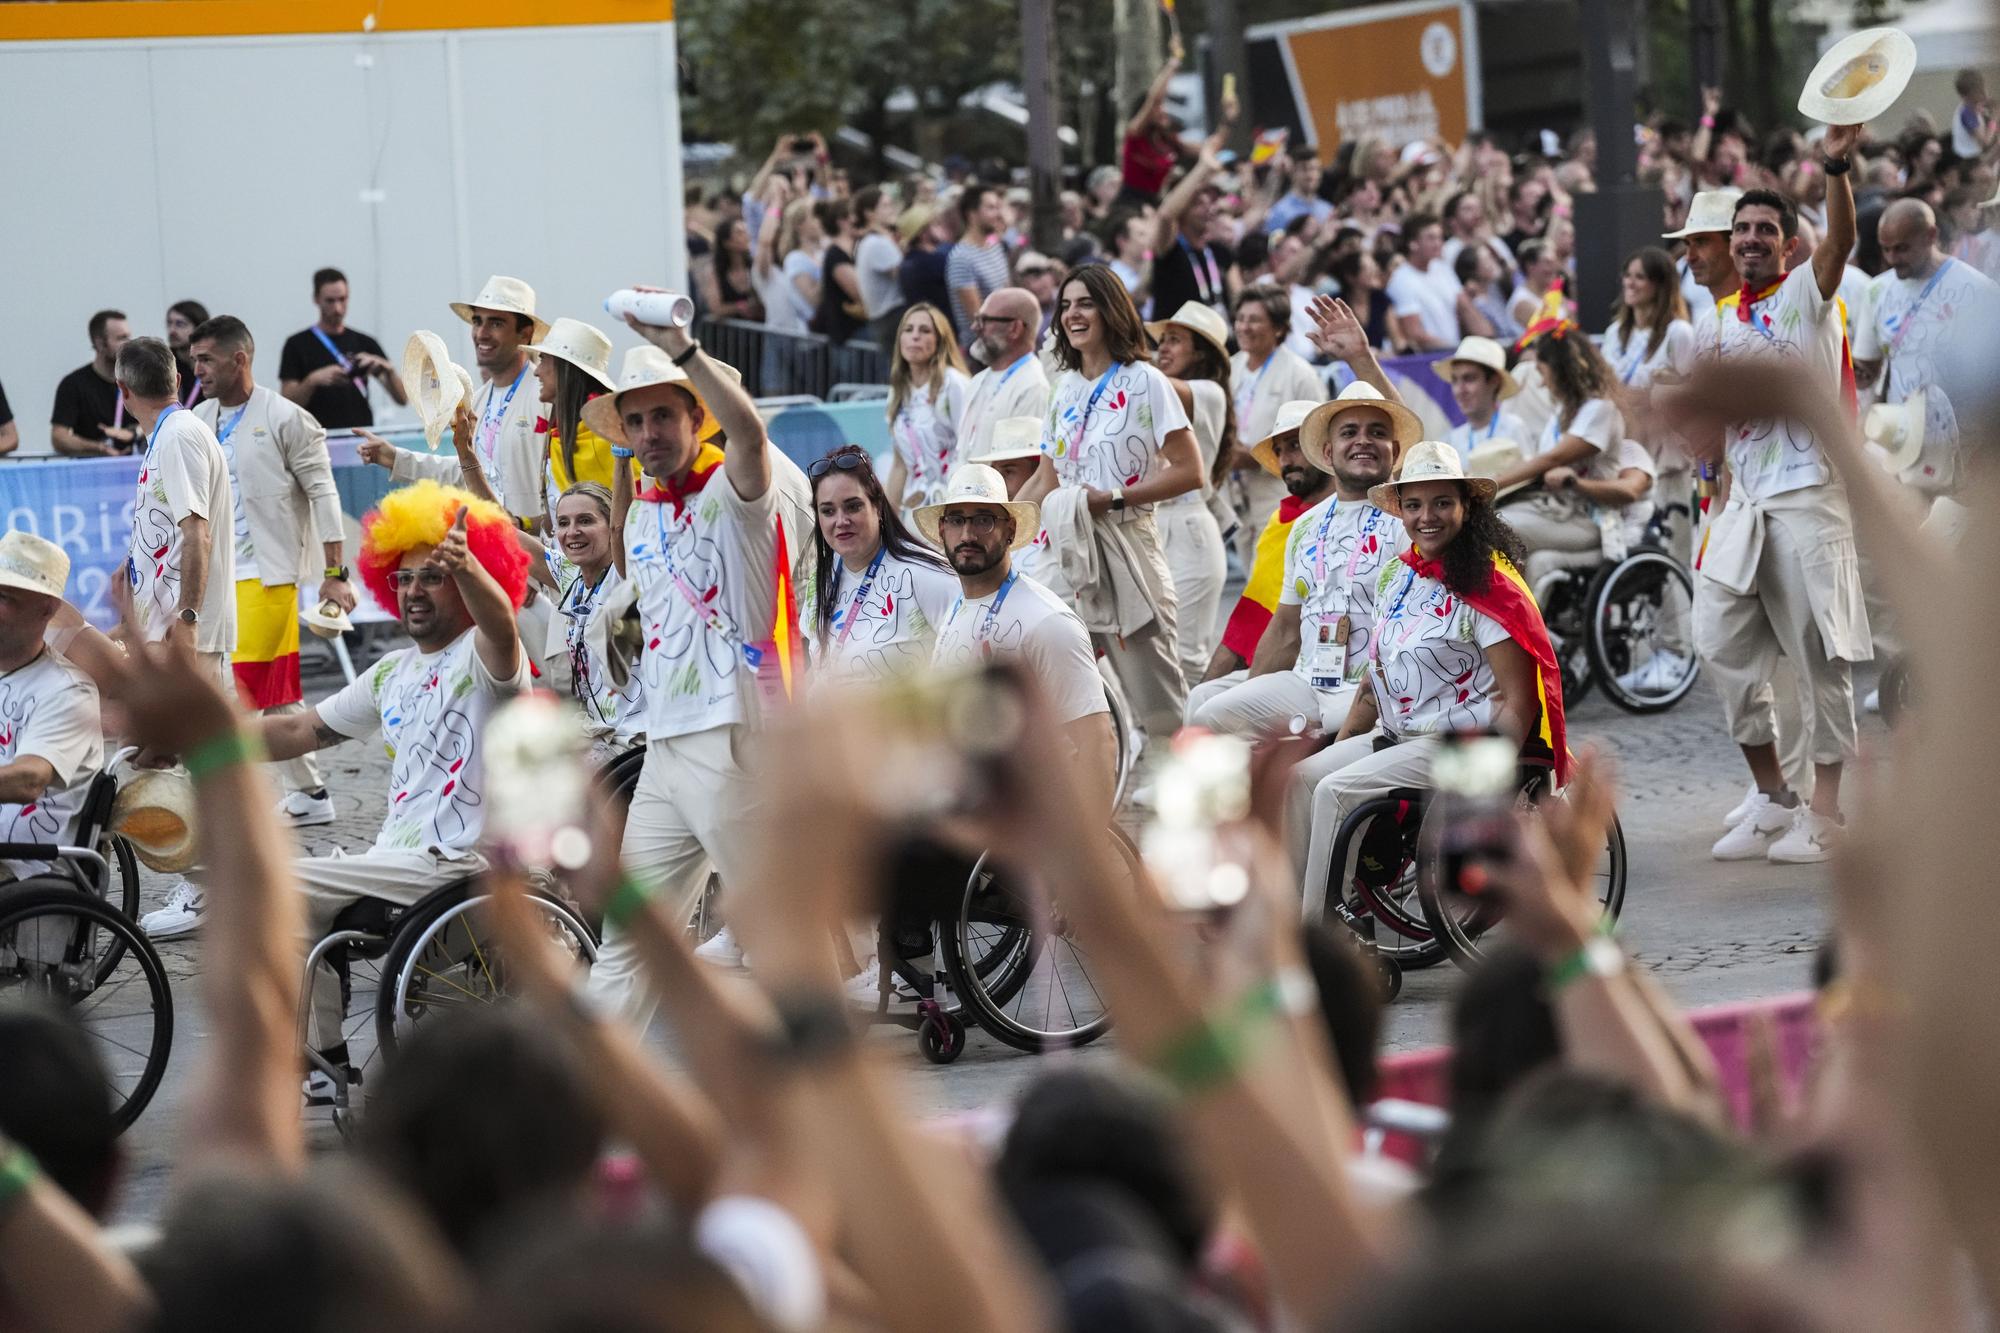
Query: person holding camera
<point>1459,645</point>
<point>326,368</point>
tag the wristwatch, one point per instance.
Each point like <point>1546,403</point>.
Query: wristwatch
<point>189,616</point>
<point>1836,166</point>
<point>1117,497</point>
<point>338,573</point>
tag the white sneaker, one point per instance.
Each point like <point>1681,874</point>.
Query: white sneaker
<point>1873,703</point>
<point>1742,809</point>
<point>1751,838</point>
<point>721,950</point>
<point>1810,839</point>
<point>181,916</point>
<point>1660,673</point>
<point>305,810</point>
<point>864,988</point>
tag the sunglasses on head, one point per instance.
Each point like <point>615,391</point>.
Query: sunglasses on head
<point>846,462</point>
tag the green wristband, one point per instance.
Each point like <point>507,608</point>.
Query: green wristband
<point>1210,1052</point>
<point>219,752</point>
<point>1600,956</point>
<point>17,1172</point>
<point>626,901</point>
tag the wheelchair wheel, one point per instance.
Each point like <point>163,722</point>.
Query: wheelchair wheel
<point>445,957</point>
<point>1028,986</point>
<point>1385,890</point>
<point>54,943</point>
<point>1641,632</point>
<point>1895,691</point>
<point>1564,614</point>
<point>1466,922</point>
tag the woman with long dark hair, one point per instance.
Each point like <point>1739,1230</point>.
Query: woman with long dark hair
<point>1116,443</point>
<point>728,284</point>
<point>1457,645</point>
<point>1193,354</point>
<point>878,593</point>
<point>927,389</point>
<point>572,366</point>
<point>1649,329</point>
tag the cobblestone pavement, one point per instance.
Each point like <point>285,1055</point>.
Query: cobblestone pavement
<point>1713,933</point>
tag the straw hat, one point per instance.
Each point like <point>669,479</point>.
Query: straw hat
<point>33,564</point>
<point>1859,77</point>
<point>579,344</point>
<point>1404,424</point>
<point>1012,438</point>
<point>1712,210</point>
<point>1896,427</point>
<point>436,386</point>
<point>644,367</point>
<point>1479,351</point>
<point>154,811</point>
<point>913,220</point>
<point>1198,319</point>
<point>1493,458</point>
<point>1290,417</point>
<point>1428,460</point>
<point>509,296</point>
<point>978,484</point>
<point>327,620</point>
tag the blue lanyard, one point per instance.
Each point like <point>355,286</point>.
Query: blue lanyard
<point>1250,393</point>
<point>1076,449</point>
<point>711,617</point>
<point>222,435</point>
<point>1903,321</point>
<point>339,357</point>
<point>1008,373</point>
<point>985,630</point>
<point>853,611</point>
<point>1632,363</point>
<point>489,423</point>
<point>158,422</point>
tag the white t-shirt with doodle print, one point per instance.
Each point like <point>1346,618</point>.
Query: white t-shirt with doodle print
<point>1333,555</point>
<point>1599,424</point>
<point>431,709</point>
<point>1117,442</point>
<point>1919,325</point>
<point>925,433</point>
<point>611,711</point>
<point>183,473</point>
<point>1430,670</point>
<point>1768,458</point>
<point>890,631</point>
<point>48,709</point>
<point>1032,625</point>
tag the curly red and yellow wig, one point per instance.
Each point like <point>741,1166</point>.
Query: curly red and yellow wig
<point>420,515</point>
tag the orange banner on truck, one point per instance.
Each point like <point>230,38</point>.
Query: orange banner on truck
<point>1402,74</point>
<point>61,20</point>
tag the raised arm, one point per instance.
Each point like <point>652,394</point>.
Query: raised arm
<point>1155,95</point>
<point>1830,259</point>
<point>56,1267</point>
<point>497,637</point>
<point>1340,334</point>
<point>1184,193</point>
<point>747,460</point>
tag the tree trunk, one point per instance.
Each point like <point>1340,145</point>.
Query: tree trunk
<point>1136,27</point>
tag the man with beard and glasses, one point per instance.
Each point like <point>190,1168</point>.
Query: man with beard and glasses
<point>1779,571</point>
<point>1309,657</point>
<point>1003,613</point>
<point>1013,384</point>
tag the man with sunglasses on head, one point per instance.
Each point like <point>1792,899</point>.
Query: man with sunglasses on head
<point>1014,384</point>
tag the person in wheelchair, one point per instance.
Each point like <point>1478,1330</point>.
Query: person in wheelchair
<point>1622,504</point>
<point>51,741</point>
<point>1459,646</point>
<point>449,565</point>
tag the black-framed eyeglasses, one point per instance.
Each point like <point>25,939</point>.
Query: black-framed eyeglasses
<point>845,461</point>
<point>981,321</point>
<point>980,521</point>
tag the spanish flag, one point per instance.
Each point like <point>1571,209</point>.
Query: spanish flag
<point>266,661</point>
<point>1507,600</point>
<point>1267,577</point>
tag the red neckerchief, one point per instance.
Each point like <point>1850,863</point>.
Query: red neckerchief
<point>1292,506</point>
<point>1748,297</point>
<point>1506,599</point>
<point>667,491</point>
<point>541,425</point>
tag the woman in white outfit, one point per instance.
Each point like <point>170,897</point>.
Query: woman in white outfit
<point>927,389</point>
<point>583,571</point>
<point>1650,341</point>
<point>1193,353</point>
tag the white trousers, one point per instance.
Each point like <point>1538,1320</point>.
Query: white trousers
<point>1199,565</point>
<point>1552,531</point>
<point>694,806</point>
<point>331,883</point>
<point>1327,787</point>
<point>1236,705</point>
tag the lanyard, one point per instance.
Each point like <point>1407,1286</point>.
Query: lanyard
<point>158,422</point>
<point>339,357</point>
<point>1395,613</point>
<point>193,395</point>
<point>1900,325</point>
<point>712,617</point>
<point>223,433</point>
<point>489,420</point>
<point>577,606</point>
<point>1249,394</point>
<point>853,611</point>
<point>1208,286</point>
<point>985,630</point>
<point>1631,364</point>
<point>922,451</point>
<point>990,389</point>
<point>1076,443</point>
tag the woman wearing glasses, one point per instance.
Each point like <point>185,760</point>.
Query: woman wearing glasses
<point>877,593</point>
<point>927,388</point>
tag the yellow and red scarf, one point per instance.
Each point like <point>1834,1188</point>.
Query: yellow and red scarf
<point>1267,578</point>
<point>1506,599</point>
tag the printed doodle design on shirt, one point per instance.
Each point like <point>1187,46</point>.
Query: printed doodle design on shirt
<point>41,820</point>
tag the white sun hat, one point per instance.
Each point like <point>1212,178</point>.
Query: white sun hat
<point>1428,460</point>
<point>1200,320</point>
<point>436,386</point>
<point>327,620</point>
<point>579,344</point>
<point>1899,429</point>
<point>154,811</point>
<point>978,484</point>
<point>509,296</point>
<point>1492,458</point>
<point>1290,417</point>
<point>1859,77</point>
<point>646,366</point>
<point>33,564</point>
<point>1479,351</point>
<point>1012,438</point>
<point>1404,425</point>
<point>1712,210</point>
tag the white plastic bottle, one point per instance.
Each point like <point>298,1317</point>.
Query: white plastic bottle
<point>662,310</point>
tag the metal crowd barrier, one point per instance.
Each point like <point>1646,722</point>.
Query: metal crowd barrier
<point>778,364</point>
